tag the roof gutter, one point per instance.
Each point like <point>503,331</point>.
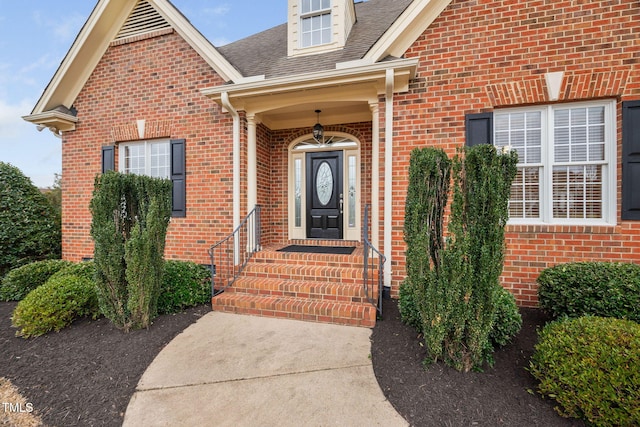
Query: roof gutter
<point>364,73</point>
<point>388,175</point>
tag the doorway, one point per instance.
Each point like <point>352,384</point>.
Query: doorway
<point>325,198</point>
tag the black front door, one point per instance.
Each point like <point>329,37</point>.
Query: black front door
<point>324,195</point>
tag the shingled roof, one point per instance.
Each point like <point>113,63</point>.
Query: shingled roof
<point>265,53</point>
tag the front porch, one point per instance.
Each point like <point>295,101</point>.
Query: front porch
<point>318,287</point>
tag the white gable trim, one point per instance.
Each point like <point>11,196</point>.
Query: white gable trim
<point>99,31</point>
<point>406,29</point>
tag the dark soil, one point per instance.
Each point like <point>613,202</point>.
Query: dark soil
<point>85,374</point>
<point>436,395</point>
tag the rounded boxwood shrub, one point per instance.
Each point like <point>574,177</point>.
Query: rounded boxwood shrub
<point>590,366</point>
<point>184,284</point>
<point>409,312</point>
<point>55,305</point>
<point>22,280</point>
<point>507,320</point>
<point>85,269</point>
<point>591,288</point>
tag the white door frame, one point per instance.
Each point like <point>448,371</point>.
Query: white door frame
<point>296,179</point>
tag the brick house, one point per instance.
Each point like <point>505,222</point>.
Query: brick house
<point>142,91</point>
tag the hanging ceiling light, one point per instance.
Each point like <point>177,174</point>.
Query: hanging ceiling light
<point>318,130</point>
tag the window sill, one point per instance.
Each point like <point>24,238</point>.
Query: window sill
<point>562,228</point>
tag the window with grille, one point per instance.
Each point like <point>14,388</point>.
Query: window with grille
<point>151,158</point>
<point>566,170</point>
<point>315,22</point>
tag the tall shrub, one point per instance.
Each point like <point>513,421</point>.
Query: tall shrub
<point>429,177</point>
<point>479,213</point>
<point>455,286</point>
<point>29,230</point>
<point>130,218</point>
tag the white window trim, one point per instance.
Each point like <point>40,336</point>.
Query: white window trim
<point>147,153</point>
<point>609,166</point>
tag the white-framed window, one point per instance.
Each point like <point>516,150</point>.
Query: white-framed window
<point>151,158</point>
<point>315,22</point>
<point>567,157</point>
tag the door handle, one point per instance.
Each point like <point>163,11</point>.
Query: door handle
<point>341,203</point>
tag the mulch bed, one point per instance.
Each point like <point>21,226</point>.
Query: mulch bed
<point>85,375</point>
<point>441,396</point>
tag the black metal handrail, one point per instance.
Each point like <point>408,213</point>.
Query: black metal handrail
<point>230,255</point>
<point>372,253</point>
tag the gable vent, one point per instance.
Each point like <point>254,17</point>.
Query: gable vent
<point>144,19</point>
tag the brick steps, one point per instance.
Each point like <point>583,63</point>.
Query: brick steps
<point>313,290</point>
<point>313,287</point>
<point>297,308</point>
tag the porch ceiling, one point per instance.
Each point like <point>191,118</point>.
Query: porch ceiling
<point>303,115</point>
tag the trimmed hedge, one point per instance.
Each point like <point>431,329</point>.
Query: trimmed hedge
<point>22,280</point>
<point>407,306</point>
<point>591,288</point>
<point>506,324</point>
<point>55,305</point>
<point>29,230</point>
<point>85,269</point>
<point>590,366</point>
<point>451,285</point>
<point>130,216</point>
<point>507,320</point>
<point>184,284</point>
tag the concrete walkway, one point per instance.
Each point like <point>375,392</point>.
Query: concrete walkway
<point>235,370</point>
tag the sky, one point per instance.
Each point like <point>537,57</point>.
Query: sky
<point>35,35</point>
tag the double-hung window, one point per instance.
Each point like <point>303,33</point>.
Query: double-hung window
<point>566,170</point>
<point>315,22</point>
<point>159,158</point>
<point>151,158</point>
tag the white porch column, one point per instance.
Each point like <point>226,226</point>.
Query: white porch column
<point>375,173</point>
<point>252,163</point>
<point>226,103</point>
<point>388,174</point>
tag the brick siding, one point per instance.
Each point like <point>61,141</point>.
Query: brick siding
<point>158,80</point>
<point>480,55</point>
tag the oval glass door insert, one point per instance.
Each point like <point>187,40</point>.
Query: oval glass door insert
<point>324,183</point>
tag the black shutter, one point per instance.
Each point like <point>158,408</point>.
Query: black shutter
<point>478,129</point>
<point>178,178</point>
<point>631,160</point>
<point>108,158</point>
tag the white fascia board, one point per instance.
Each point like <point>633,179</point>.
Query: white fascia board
<point>251,79</point>
<point>94,39</point>
<point>406,29</point>
<point>354,63</point>
<point>206,50</point>
<point>315,80</point>
<point>83,56</point>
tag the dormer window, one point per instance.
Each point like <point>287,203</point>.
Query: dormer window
<point>315,21</point>
<point>319,26</point>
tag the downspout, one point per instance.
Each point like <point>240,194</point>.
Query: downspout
<point>375,173</point>
<point>226,103</point>
<point>388,174</point>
